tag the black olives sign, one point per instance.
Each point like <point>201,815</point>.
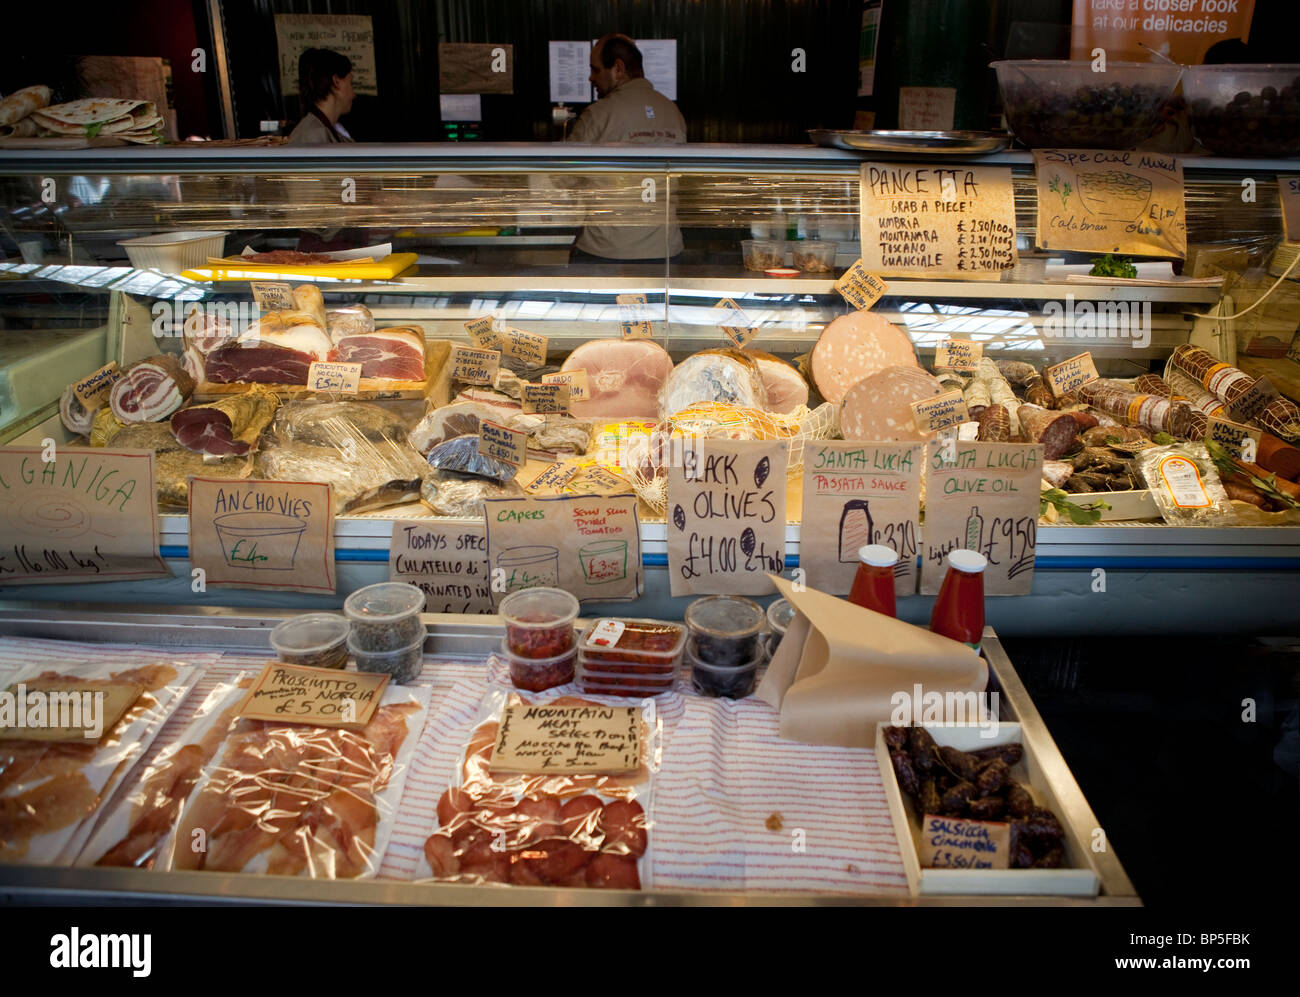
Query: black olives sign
<point>727,518</point>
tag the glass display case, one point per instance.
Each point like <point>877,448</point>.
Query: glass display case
<point>493,230</point>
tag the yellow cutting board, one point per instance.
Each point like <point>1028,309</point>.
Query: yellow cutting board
<point>387,268</point>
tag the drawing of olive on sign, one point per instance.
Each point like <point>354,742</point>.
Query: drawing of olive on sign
<point>727,506</point>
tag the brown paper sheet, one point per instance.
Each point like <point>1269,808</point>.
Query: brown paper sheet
<point>589,545</point>
<point>856,494</point>
<point>930,220</point>
<point>726,517</point>
<point>446,561</point>
<point>1096,201</point>
<point>88,514</point>
<point>841,669</point>
<point>263,534</point>
<point>987,500</point>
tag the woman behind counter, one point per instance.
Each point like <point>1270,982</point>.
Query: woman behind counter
<point>325,88</point>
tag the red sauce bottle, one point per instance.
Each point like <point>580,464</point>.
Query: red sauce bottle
<point>873,585</point>
<point>959,609</point>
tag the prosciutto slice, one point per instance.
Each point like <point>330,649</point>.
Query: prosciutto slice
<point>227,427</point>
<point>396,354</point>
<point>150,390</point>
<point>273,351</point>
<point>623,378</point>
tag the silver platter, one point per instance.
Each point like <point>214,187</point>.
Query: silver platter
<point>950,143</point>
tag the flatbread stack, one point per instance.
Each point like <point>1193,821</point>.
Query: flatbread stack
<point>16,111</point>
<point>120,117</point>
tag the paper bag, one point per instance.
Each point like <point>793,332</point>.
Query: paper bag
<point>840,669</point>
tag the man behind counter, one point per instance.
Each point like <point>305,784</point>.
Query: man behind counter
<point>629,109</point>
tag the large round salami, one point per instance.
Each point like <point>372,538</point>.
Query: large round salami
<point>855,346</point>
<point>879,407</point>
<point>623,378</point>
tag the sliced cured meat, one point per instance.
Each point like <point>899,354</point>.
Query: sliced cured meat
<point>580,820</point>
<point>623,825</point>
<point>502,406</point>
<point>76,418</point>
<point>855,346</point>
<point>227,427</point>
<point>879,407</point>
<point>355,320</point>
<point>452,804</point>
<point>446,423</point>
<point>150,390</point>
<point>785,386</point>
<point>236,362</point>
<point>624,377</point>
<point>549,862</point>
<point>440,852</point>
<point>727,377</point>
<point>192,361</point>
<point>1054,430</point>
<point>396,354</point>
<point>535,819</point>
<point>613,872</point>
<point>206,329</point>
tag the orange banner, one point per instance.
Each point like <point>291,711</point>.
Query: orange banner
<point>1184,30</point>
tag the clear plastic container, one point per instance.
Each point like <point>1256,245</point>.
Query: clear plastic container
<point>317,640</point>
<point>763,254</point>
<point>536,674</point>
<point>1245,110</point>
<point>385,617</point>
<point>779,615</point>
<point>726,681</point>
<point>639,646</point>
<point>725,628</point>
<point>403,664</point>
<point>814,256</point>
<point>539,622</point>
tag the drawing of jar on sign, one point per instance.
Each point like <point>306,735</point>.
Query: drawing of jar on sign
<point>603,561</point>
<point>530,567</point>
<point>260,540</point>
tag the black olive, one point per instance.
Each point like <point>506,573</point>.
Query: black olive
<point>748,541</point>
<point>679,517</point>
<point>761,472</point>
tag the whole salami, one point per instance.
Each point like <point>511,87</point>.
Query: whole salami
<point>995,424</point>
<point>150,390</point>
<point>1160,415</point>
<point>1054,430</point>
<point>1225,382</point>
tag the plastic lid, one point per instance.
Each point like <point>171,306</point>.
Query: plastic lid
<point>878,556</point>
<point>970,561</point>
<point>725,616</point>
<point>386,602</point>
<point>779,615</point>
<point>539,607</point>
<point>312,632</point>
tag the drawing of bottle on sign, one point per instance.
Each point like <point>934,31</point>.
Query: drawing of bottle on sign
<point>265,541</point>
<point>603,561</point>
<point>855,529</point>
<point>530,567</point>
<point>1007,540</point>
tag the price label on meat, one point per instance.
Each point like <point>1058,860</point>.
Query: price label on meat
<point>93,391</point>
<point>344,378</point>
<point>1096,201</point>
<point>589,545</point>
<point>481,333</point>
<point>856,494</point>
<point>552,479</point>
<point>933,415</point>
<point>1253,400</point>
<point>546,398</point>
<point>473,365</point>
<point>272,296</point>
<point>735,324</point>
<point>930,221</point>
<point>448,562</point>
<point>1070,375</point>
<point>500,443</point>
<point>530,347</point>
<point>958,354</point>
<point>634,316</point>
<point>575,380</point>
<point>1240,441</point>
<point>77,514</point>
<point>859,287</point>
<point>538,737</point>
<point>263,534</point>
<point>726,516</point>
<point>321,697</point>
<point>957,843</point>
<point>985,500</point>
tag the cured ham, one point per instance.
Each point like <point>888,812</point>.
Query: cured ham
<point>855,346</point>
<point>457,419</point>
<point>785,386</point>
<point>396,354</point>
<point>150,390</point>
<point>727,377</point>
<point>227,427</point>
<point>278,349</point>
<point>623,378</point>
<point>879,407</point>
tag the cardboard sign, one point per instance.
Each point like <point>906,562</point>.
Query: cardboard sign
<point>595,480</point>
<point>321,697</point>
<point>529,347</point>
<point>1253,400</point>
<point>860,288</point>
<point>589,545</point>
<point>58,710</point>
<point>1288,194</point>
<point>446,561</point>
<point>351,35</point>
<point>272,296</point>
<point>958,354</point>
<point>1070,375</point>
<point>735,324</point>
<point>468,67</point>
<point>1184,30</point>
<point>473,365</point>
<point>856,494</point>
<point>537,737</point>
<point>926,109</point>
<point>1098,201</point>
<point>546,398</point>
<point>93,390</point>
<point>575,380</point>
<point>330,376</point>
<point>933,415</point>
<point>930,221</point>
<point>509,445</point>
<point>1240,441</point>
<point>263,534</point>
<point>987,501</point>
<point>552,479</point>
<point>634,316</point>
<point>958,843</point>
<point>481,333</point>
<point>726,516</point>
<point>88,514</point>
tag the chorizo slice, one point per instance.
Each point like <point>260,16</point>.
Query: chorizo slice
<point>623,825</point>
<point>613,872</point>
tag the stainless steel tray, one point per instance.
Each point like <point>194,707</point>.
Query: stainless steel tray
<point>946,143</point>
<point>464,637</point>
